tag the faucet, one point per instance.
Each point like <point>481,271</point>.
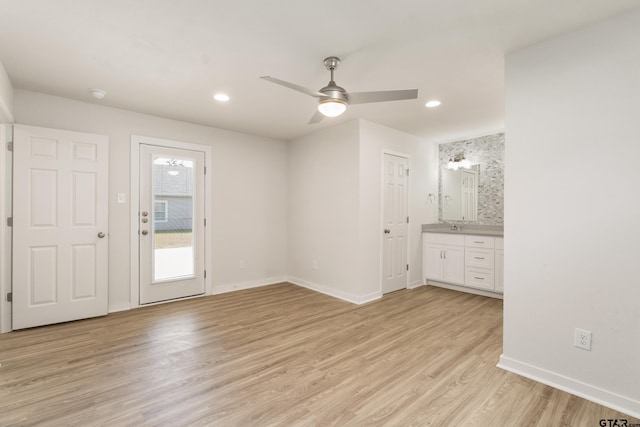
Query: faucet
<point>456,227</point>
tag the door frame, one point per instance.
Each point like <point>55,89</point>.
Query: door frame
<point>134,198</point>
<point>6,182</point>
<point>381,225</point>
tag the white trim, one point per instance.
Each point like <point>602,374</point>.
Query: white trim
<point>354,299</point>
<point>408,157</point>
<point>415,284</point>
<point>466,289</point>
<point>570,385</point>
<point>230,287</point>
<point>6,177</point>
<point>136,141</point>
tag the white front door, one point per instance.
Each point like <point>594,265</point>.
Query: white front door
<point>394,261</point>
<point>60,236</point>
<point>171,223</point>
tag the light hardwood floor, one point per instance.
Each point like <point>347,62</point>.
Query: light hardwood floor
<point>280,355</point>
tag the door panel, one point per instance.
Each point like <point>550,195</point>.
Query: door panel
<point>60,203</point>
<point>171,225</point>
<point>395,223</point>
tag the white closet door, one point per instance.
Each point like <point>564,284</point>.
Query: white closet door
<point>395,223</point>
<point>60,236</point>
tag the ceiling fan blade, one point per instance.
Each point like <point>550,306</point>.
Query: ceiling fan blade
<point>293,86</point>
<point>382,96</point>
<point>317,116</point>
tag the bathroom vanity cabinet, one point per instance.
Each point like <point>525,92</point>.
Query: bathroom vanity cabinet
<point>464,262</point>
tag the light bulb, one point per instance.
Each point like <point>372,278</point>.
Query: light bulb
<point>332,107</point>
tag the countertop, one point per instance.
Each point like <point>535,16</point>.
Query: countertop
<point>478,230</point>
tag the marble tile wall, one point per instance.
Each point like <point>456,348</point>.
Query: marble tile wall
<point>488,152</point>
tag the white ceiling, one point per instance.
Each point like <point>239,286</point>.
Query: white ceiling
<point>168,57</point>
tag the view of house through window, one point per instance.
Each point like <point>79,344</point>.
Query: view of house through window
<point>173,218</point>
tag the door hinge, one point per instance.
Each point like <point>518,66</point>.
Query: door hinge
<point>205,170</point>
<point>205,222</point>
<point>9,146</point>
<point>205,274</point>
<point>9,222</point>
<point>407,267</point>
<point>407,172</point>
<point>407,220</point>
<point>10,297</point>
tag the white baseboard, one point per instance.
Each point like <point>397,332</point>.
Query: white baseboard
<point>414,285</point>
<point>354,299</point>
<point>465,289</point>
<point>570,385</point>
<point>230,287</point>
<point>119,307</point>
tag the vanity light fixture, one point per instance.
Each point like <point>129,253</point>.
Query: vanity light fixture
<point>458,161</point>
<point>432,104</point>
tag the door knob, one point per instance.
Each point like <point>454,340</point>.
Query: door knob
<point>144,232</point>
<point>145,213</point>
<point>145,220</point>
<point>101,234</point>
<point>387,231</point>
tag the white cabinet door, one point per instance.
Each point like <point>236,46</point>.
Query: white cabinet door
<point>432,265</point>
<point>60,236</point>
<point>453,264</point>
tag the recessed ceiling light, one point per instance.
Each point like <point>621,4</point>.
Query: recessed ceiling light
<point>97,93</point>
<point>222,97</point>
<point>432,104</point>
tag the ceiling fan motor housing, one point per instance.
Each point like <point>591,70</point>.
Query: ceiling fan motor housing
<point>334,92</point>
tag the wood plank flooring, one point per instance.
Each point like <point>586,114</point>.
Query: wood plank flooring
<point>280,355</point>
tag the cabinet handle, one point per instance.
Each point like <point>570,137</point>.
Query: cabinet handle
<point>440,254</point>
<point>445,254</point>
<point>479,278</point>
<point>478,257</point>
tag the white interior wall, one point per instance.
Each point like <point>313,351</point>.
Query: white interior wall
<point>335,206</point>
<point>571,235</point>
<point>323,211</point>
<point>376,139</point>
<point>249,193</point>
<point>6,97</point>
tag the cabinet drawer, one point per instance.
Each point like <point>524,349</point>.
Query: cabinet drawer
<point>479,241</point>
<point>479,278</point>
<point>443,239</point>
<point>483,258</point>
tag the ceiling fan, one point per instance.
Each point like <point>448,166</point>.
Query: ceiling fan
<point>333,100</point>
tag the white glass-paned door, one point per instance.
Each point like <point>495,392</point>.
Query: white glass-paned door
<point>171,228</point>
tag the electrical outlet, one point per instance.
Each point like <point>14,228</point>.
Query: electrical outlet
<point>314,265</point>
<point>582,339</point>
<point>242,264</point>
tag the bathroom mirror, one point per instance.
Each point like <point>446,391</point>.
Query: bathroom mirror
<point>459,194</point>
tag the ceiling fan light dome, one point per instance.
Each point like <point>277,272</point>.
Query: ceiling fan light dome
<point>332,107</point>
